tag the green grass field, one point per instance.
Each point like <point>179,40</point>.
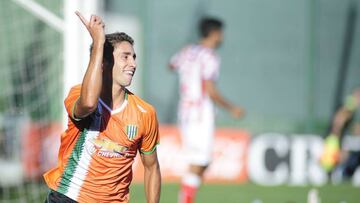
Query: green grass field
<point>214,193</point>
<point>249,193</point>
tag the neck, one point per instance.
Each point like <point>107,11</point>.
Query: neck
<point>113,95</point>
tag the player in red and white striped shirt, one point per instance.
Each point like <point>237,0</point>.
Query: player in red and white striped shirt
<point>198,68</point>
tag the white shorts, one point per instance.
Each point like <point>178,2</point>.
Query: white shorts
<point>197,141</point>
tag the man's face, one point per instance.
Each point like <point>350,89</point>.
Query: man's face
<point>218,37</point>
<point>124,63</point>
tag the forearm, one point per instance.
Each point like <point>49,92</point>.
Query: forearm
<point>152,184</point>
<point>222,102</point>
<point>336,129</point>
<point>216,97</point>
<point>219,100</point>
<point>340,119</point>
<point>92,81</point>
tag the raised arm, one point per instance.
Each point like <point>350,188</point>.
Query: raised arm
<point>92,81</point>
<point>342,116</point>
<point>345,113</point>
<point>215,95</point>
<point>331,155</point>
<point>152,177</point>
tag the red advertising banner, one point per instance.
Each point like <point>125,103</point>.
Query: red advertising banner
<point>40,145</point>
<point>229,156</point>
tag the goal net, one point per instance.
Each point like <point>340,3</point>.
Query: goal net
<point>31,81</point>
<point>44,51</point>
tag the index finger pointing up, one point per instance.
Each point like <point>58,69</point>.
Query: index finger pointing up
<point>83,20</point>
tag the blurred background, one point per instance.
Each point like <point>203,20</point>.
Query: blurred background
<point>289,63</point>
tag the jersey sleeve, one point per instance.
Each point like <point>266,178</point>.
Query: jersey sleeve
<point>151,137</point>
<point>71,100</point>
<point>210,67</point>
<point>178,59</point>
<point>175,61</point>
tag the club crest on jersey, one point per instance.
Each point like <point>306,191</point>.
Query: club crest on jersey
<point>131,131</point>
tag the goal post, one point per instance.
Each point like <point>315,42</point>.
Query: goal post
<point>76,43</point>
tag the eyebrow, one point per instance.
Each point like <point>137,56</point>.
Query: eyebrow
<point>129,53</point>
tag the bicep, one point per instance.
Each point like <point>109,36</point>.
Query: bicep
<point>149,160</point>
<point>210,88</point>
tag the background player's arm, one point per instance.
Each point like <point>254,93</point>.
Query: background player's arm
<point>345,113</point>
<point>171,67</point>
<point>174,62</point>
<point>152,177</point>
<point>92,81</point>
<point>331,155</point>
<point>215,95</point>
<point>342,116</point>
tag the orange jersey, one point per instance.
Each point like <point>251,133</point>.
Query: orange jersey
<point>96,153</point>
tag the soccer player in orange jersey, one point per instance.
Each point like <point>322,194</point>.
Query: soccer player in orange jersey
<point>107,126</point>
<point>198,68</point>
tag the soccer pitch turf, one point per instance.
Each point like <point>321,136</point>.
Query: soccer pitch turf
<point>217,193</point>
<point>251,193</point>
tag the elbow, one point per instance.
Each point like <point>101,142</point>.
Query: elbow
<point>88,106</point>
<point>171,67</point>
<point>213,96</point>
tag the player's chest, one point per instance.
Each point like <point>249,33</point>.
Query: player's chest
<point>122,129</point>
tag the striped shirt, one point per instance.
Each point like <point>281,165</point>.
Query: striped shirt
<point>195,64</point>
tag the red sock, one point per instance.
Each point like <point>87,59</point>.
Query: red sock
<point>187,194</point>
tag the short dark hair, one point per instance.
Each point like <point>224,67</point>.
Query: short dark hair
<point>110,41</point>
<point>209,24</point>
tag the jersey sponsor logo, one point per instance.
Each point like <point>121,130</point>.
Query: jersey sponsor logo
<point>131,131</point>
<point>107,148</point>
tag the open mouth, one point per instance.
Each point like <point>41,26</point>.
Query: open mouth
<point>130,72</point>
